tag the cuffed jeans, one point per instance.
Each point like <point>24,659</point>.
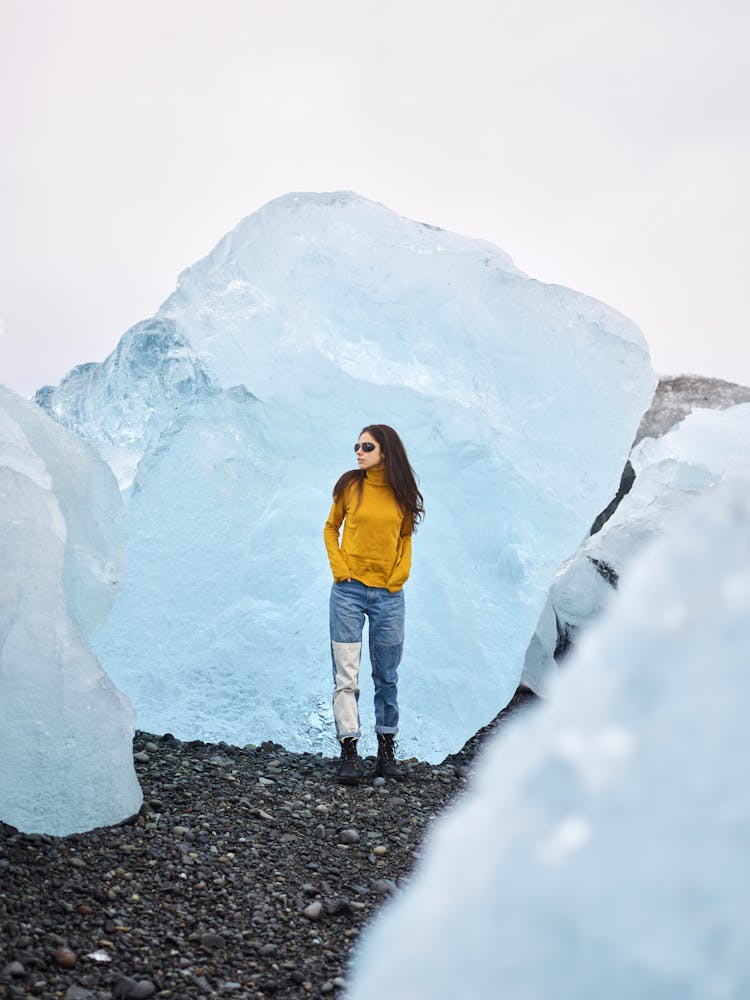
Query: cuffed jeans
<point>350,602</point>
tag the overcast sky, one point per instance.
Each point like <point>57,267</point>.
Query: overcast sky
<point>604,146</point>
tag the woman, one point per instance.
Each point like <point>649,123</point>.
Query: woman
<point>380,506</point>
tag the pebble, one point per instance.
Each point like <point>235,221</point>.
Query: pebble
<point>14,969</point>
<point>337,906</point>
<point>127,988</point>
<point>152,747</point>
<point>65,958</point>
<point>144,988</point>
<point>212,941</point>
<point>141,757</point>
<point>314,910</point>
<point>349,836</point>
<point>380,850</point>
<point>76,992</point>
<point>383,886</point>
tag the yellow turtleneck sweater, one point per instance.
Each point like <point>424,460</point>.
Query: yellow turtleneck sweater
<point>376,546</point>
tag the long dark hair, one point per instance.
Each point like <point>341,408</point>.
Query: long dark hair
<point>399,473</point>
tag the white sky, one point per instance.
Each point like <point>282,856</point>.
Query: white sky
<point>603,145</point>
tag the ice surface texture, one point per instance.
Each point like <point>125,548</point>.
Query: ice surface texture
<point>66,760</point>
<point>319,314</point>
<point>602,849</point>
<point>671,471</point>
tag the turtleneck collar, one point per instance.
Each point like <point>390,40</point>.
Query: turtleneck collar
<point>377,477</point>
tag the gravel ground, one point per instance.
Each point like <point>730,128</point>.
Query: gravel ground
<point>248,873</point>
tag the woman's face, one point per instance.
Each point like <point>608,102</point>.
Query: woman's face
<point>369,459</point>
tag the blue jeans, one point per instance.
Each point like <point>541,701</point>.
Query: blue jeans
<point>350,602</point>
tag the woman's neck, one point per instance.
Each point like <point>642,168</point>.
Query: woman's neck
<point>377,476</point>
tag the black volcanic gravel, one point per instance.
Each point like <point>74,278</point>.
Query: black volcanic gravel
<point>248,873</point>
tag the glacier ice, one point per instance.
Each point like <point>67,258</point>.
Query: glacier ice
<point>671,471</point>
<point>601,850</point>
<point>66,733</point>
<point>230,414</point>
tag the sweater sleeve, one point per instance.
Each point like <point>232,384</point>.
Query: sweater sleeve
<point>401,570</point>
<point>331,537</point>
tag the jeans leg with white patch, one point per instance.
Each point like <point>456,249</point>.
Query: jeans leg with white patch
<point>351,601</point>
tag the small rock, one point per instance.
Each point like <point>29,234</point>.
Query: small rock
<point>65,958</point>
<point>383,886</point>
<point>77,862</point>
<point>349,836</point>
<point>76,992</point>
<point>319,831</point>
<point>265,781</point>
<point>129,989</point>
<point>143,989</point>
<point>212,941</point>
<point>380,850</point>
<point>314,910</point>
<point>152,747</point>
<point>268,949</point>
<point>14,969</point>
<point>338,906</point>
<point>141,757</point>
<point>378,782</point>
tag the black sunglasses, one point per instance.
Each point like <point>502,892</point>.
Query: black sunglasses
<point>365,446</point>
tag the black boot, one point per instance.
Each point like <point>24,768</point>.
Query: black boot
<point>350,765</point>
<point>386,765</point>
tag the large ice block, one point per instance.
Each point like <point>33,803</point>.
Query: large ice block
<point>66,733</point>
<point>670,472</point>
<point>602,849</point>
<point>241,398</point>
